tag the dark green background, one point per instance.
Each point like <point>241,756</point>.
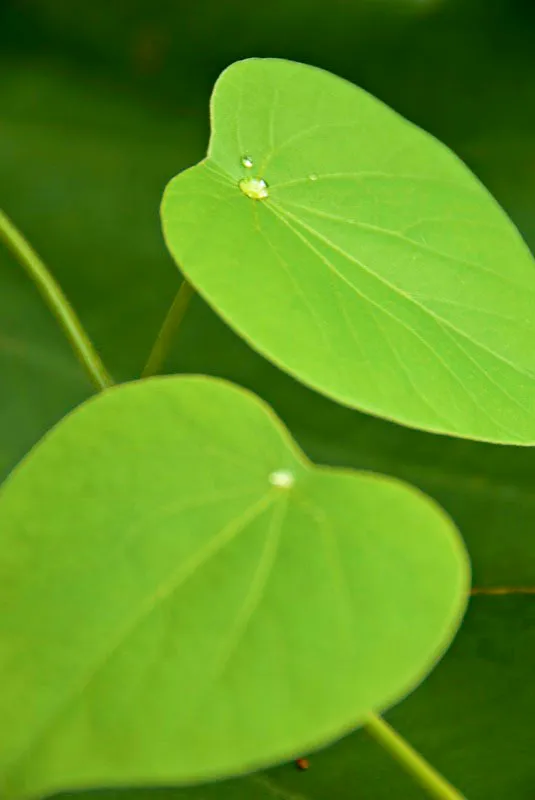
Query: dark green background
<point>101,102</point>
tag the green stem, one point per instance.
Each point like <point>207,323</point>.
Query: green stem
<point>170,325</point>
<point>410,760</point>
<point>56,301</point>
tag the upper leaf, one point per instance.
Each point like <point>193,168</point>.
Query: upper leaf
<point>185,596</point>
<point>359,254</point>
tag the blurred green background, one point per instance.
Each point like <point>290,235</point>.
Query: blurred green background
<point>101,103</point>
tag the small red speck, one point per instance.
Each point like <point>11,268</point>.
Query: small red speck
<point>302,763</point>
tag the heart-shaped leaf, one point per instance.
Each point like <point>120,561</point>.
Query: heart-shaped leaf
<point>359,254</point>
<point>185,596</point>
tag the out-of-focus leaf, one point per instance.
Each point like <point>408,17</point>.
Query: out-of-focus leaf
<point>184,596</point>
<point>457,719</point>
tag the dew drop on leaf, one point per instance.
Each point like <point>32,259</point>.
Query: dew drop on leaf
<point>255,188</point>
<point>282,479</point>
<point>247,162</point>
<point>313,176</point>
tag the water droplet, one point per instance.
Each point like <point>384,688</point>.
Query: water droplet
<point>255,188</point>
<point>313,176</point>
<point>247,162</point>
<point>282,479</point>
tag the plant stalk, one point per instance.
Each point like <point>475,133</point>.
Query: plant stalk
<point>54,297</point>
<point>410,760</point>
<point>167,332</point>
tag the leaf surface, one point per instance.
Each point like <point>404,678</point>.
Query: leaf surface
<point>186,596</point>
<point>486,676</point>
<point>373,266</point>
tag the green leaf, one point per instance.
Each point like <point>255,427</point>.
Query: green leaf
<point>359,254</point>
<point>452,719</point>
<point>188,597</point>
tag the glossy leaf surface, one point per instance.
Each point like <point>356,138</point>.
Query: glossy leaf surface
<point>359,254</point>
<point>186,596</point>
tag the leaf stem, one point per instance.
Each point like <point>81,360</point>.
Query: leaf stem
<point>167,332</point>
<point>410,760</point>
<point>57,302</point>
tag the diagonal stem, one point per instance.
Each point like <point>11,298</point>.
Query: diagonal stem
<point>57,302</point>
<point>436,786</point>
<point>167,332</point>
